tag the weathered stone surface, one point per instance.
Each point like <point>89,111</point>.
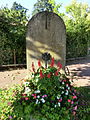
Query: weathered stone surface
<point>46,33</point>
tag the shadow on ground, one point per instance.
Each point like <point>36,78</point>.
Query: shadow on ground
<point>81,70</point>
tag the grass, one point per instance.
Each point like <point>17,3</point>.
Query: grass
<point>84,103</point>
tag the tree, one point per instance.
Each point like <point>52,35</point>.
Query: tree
<point>77,29</point>
<point>46,5</point>
<point>13,27</point>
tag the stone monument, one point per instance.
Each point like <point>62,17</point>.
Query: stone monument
<point>46,33</point>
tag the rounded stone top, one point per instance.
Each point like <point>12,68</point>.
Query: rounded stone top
<point>46,13</point>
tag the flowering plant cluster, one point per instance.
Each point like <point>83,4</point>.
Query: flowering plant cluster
<point>46,95</point>
<point>49,89</point>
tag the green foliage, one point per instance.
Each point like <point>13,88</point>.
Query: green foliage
<point>7,97</point>
<point>77,29</point>
<point>12,28</point>
<point>46,5</point>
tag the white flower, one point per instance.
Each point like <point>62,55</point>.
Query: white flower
<point>58,97</point>
<point>37,101</point>
<point>59,104</point>
<point>62,92</point>
<point>37,91</point>
<point>63,83</point>
<point>37,79</point>
<point>66,92</point>
<point>62,87</point>
<point>27,89</point>
<point>43,101</point>
<point>38,96</point>
<point>68,88</point>
<point>32,75</point>
<point>55,106</point>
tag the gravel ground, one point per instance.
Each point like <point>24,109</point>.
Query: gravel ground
<point>9,78</point>
<point>80,69</point>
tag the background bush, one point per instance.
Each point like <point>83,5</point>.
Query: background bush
<point>13,25</point>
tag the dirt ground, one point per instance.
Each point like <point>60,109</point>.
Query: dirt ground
<point>79,68</point>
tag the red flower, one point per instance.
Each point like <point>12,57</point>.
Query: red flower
<point>49,75</point>
<point>33,68</point>
<point>59,65</point>
<point>39,63</point>
<point>52,62</point>
<point>41,74</point>
<point>56,73</point>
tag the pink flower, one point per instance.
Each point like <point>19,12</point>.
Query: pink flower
<point>39,63</point>
<point>10,117</point>
<point>44,96</point>
<point>74,97</point>
<point>60,100</point>
<point>35,97</point>
<point>75,108</point>
<point>74,113</point>
<point>26,98</point>
<point>49,75</point>
<point>69,100</point>
<point>72,102</point>
<point>9,103</point>
<point>33,94</point>
<point>52,62</point>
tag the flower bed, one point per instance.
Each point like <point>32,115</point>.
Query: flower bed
<point>46,95</point>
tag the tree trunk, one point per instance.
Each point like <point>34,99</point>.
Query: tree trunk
<point>14,56</point>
